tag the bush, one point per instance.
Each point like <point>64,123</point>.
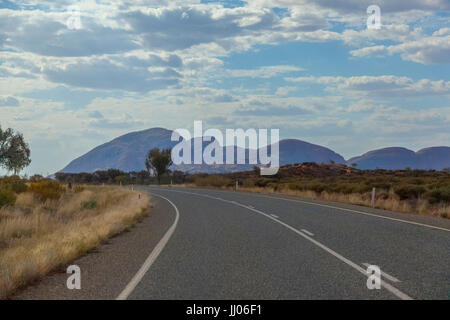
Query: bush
<point>438,195</point>
<point>213,181</point>
<point>92,204</point>
<point>13,183</point>
<point>78,189</point>
<point>36,178</point>
<point>7,198</point>
<point>409,191</point>
<point>316,186</point>
<point>47,189</point>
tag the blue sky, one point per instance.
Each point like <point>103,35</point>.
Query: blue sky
<point>75,74</point>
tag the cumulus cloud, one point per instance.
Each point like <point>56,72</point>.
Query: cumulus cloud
<point>262,72</point>
<point>349,6</point>
<point>387,85</point>
<point>9,102</point>
<point>103,74</point>
<point>161,28</point>
<point>426,50</point>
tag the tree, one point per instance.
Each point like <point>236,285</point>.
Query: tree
<point>14,151</point>
<point>5,137</point>
<point>158,162</point>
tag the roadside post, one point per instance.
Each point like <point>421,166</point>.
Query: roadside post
<point>372,203</point>
<point>237,185</point>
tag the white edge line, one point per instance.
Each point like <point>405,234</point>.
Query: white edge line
<point>386,285</point>
<point>307,232</point>
<point>273,215</point>
<point>356,211</point>
<point>384,274</point>
<point>350,210</point>
<point>151,258</point>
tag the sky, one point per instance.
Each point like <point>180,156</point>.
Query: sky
<point>76,74</point>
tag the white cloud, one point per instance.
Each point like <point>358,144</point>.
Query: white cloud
<point>104,74</point>
<point>426,50</point>
<point>387,85</point>
<point>8,102</point>
<point>262,72</point>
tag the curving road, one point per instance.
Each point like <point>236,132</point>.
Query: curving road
<point>211,244</point>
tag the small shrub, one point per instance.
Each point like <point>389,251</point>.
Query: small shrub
<point>36,178</point>
<point>78,189</point>
<point>316,187</point>
<point>47,189</point>
<point>438,195</point>
<point>409,191</point>
<point>213,181</point>
<point>7,198</point>
<point>92,204</point>
<point>14,183</point>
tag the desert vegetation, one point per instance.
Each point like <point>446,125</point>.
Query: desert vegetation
<point>45,224</point>
<point>157,163</point>
<point>14,151</point>
<point>414,191</point>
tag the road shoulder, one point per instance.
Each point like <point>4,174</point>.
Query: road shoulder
<point>106,270</point>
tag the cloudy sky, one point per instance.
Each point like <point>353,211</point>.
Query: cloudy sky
<point>310,68</point>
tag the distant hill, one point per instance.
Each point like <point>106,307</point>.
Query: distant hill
<point>128,152</point>
<point>437,158</point>
<point>297,151</point>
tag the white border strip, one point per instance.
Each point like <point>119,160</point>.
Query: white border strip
<point>384,274</point>
<point>307,232</point>
<point>356,211</point>
<point>152,257</point>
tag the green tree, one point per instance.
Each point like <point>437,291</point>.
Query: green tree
<point>14,151</point>
<point>158,162</point>
<point>5,137</point>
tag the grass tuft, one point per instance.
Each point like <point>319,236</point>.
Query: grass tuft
<point>39,234</point>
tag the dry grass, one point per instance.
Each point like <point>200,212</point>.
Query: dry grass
<point>389,201</point>
<point>37,237</point>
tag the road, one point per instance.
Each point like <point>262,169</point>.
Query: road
<point>212,244</point>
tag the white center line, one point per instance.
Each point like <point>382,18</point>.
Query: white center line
<point>307,232</point>
<point>384,274</point>
<point>350,263</point>
<point>275,216</point>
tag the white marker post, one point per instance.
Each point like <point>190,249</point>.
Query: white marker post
<point>372,203</point>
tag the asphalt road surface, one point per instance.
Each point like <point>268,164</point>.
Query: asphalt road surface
<point>212,244</point>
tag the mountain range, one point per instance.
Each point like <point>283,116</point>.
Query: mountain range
<point>128,152</point>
